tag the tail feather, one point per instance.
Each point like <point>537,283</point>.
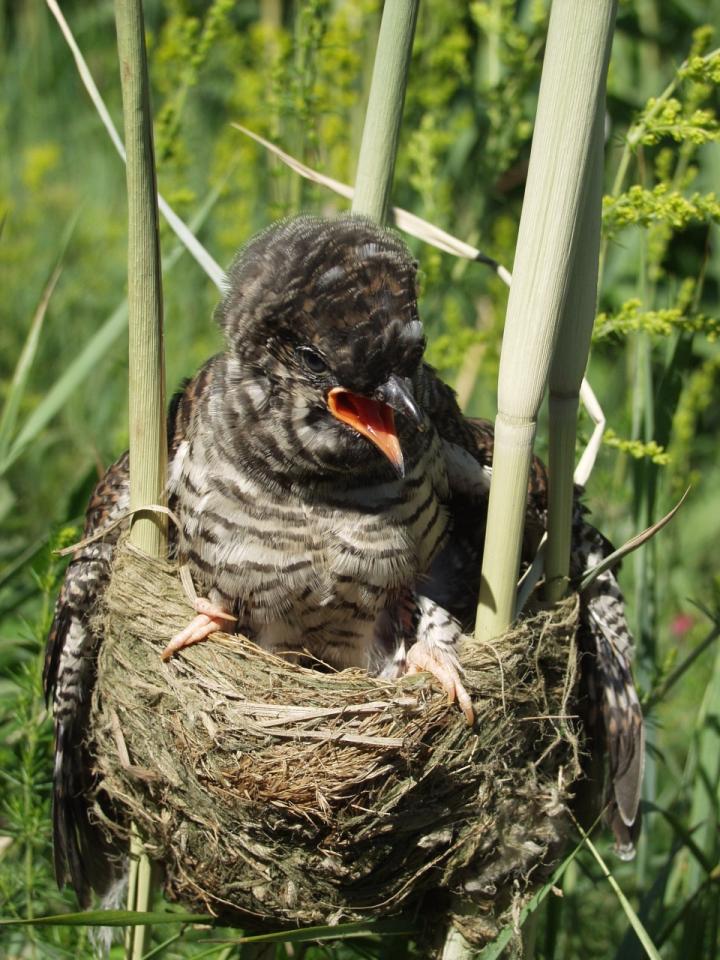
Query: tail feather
<point>82,852</point>
<point>606,636</point>
<point>68,815</point>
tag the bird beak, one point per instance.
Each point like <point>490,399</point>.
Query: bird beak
<point>372,418</point>
<point>396,393</point>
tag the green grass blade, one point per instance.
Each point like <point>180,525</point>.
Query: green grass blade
<point>16,390</point>
<point>91,354</point>
<point>110,918</point>
<point>690,908</point>
<point>25,556</point>
<point>25,362</point>
<point>67,384</point>
<point>124,918</point>
<point>360,928</point>
<point>706,780</point>
<point>158,949</point>
<point>683,834</point>
<point>633,919</point>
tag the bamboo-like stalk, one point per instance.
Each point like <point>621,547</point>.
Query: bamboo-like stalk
<point>571,91</point>
<point>568,368</point>
<point>148,447</point>
<point>148,452</point>
<point>574,70</point>
<point>376,163</point>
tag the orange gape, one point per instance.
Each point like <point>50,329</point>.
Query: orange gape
<point>371,418</point>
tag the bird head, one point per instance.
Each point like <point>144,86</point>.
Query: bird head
<point>324,341</point>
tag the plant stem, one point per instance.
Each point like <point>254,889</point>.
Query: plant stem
<point>568,368</point>
<point>376,163</point>
<point>148,447</point>
<point>574,71</point>
<point>148,453</point>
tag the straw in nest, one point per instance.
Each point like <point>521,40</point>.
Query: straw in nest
<point>276,795</point>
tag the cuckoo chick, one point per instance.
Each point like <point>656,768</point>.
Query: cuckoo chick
<point>331,499</point>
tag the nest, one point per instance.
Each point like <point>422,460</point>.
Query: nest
<point>275,795</point>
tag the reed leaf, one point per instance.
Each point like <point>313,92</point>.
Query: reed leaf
<point>631,545</point>
<point>404,220</point>
<point>376,163</point>
<point>573,78</point>
<point>568,368</point>
<point>185,235</point>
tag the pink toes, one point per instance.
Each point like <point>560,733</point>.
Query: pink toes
<point>433,661</point>
<point>212,610</point>
<point>209,620</point>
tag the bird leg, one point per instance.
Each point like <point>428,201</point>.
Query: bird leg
<point>434,652</point>
<point>210,618</point>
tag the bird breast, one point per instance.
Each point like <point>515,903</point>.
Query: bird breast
<point>307,573</point>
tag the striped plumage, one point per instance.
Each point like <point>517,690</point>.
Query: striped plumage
<point>306,565</point>
<point>330,495</point>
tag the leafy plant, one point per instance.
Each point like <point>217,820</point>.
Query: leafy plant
<point>300,76</point>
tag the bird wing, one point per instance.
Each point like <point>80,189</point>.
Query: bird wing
<point>614,718</point>
<point>468,447</point>
<point>81,849</point>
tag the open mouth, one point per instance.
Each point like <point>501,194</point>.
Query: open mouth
<point>371,418</point>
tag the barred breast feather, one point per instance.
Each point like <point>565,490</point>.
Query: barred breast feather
<point>306,567</point>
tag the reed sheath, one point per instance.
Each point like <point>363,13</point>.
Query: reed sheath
<point>568,368</point>
<point>573,78</point>
<point>378,148</point>
<point>148,445</point>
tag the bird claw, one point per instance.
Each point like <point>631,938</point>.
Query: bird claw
<point>440,665</point>
<point>210,609</point>
<point>210,618</point>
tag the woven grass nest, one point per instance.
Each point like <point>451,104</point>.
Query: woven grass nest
<point>275,795</point>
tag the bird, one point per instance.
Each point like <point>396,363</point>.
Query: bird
<point>331,498</point>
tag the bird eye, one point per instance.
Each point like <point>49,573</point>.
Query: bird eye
<point>312,360</point>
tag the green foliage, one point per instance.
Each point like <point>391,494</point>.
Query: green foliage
<point>700,392</point>
<point>26,878</point>
<point>639,205</point>
<point>512,49</point>
<point>631,318</point>
<point>636,448</point>
<point>299,74</point>
<point>672,120</point>
<point>180,59</point>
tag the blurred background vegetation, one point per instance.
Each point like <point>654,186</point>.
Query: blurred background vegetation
<point>298,73</point>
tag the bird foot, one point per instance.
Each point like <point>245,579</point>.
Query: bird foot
<point>210,618</point>
<point>443,666</point>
